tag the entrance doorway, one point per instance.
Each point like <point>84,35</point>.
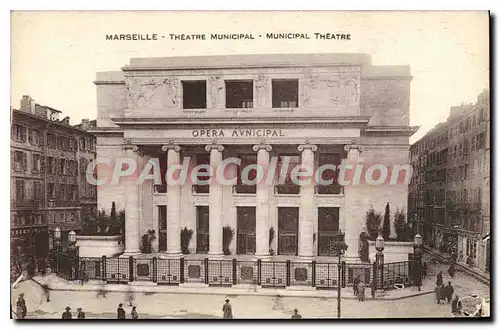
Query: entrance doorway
<point>162,225</point>
<point>328,229</point>
<point>246,230</point>
<point>202,226</point>
<point>288,227</point>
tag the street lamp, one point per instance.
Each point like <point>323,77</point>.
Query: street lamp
<point>379,261</point>
<point>417,254</point>
<point>57,238</point>
<point>72,238</point>
<point>340,247</point>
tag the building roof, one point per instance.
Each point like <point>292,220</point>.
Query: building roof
<point>253,60</point>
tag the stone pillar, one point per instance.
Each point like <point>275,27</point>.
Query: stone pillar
<point>173,204</point>
<point>307,215</point>
<point>132,234</point>
<point>215,202</point>
<point>353,225</point>
<point>262,209</point>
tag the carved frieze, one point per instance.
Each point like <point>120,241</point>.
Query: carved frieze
<point>216,89</point>
<point>262,91</point>
<point>152,92</point>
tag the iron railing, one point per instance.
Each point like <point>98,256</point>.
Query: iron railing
<point>229,272</point>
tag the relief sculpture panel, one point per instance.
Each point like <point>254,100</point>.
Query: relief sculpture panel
<point>152,92</point>
<point>338,89</point>
<point>216,92</point>
<point>262,92</point>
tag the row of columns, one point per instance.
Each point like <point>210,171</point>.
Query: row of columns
<point>306,211</point>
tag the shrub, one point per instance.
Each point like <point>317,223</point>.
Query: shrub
<point>373,220</point>
<point>227,237</point>
<point>363,247</point>
<point>186,235</point>
<point>147,242</point>
<point>271,238</point>
<point>400,226</point>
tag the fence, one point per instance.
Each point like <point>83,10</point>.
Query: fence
<point>322,275</point>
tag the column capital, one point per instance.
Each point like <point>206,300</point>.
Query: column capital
<point>167,147</point>
<point>358,147</point>
<point>138,150</point>
<point>210,147</point>
<point>258,147</point>
<point>303,147</point>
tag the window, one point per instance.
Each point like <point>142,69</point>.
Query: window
<point>52,140</point>
<point>20,161</point>
<point>244,187</point>
<point>51,191</point>
<point>20,190</point>
<point>480,139</point>
<point>194,94</point>
<point>19,133</point>
<point>36,166</point>
<point>327,161</point>
<point>285,184</point>
<point>201,185</point>
<point>285,93</point>
<point>239,94</point>
<point>37,187</point>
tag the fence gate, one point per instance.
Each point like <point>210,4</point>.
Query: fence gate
<point>117,270</point>
<point>220,272</point>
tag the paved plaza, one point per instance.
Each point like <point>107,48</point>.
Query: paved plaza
<point>209,306</point>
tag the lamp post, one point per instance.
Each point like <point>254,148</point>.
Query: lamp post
<point>340,247</point>
<point>57,238</point>
<point>417,254</point>
<point>379,261</point>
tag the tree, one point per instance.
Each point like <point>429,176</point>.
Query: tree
<point>186,235</point>
<point>227,237</point>
<point>363,247</point>
<point>386,229</point>
<point>373,220</point>
<point>400,225</point>
<point>112,215</point>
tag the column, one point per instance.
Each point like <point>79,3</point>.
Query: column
<point>353,225</point>
<point>173,203</point>
<point>132,234</point>
<point>306,212</point>
<point>262,209</point>
<point>215,202</point>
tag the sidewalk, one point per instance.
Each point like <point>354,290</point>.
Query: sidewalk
<point>59,284</point>
<point>462,266</point>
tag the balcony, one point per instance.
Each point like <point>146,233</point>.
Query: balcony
<point>329,189</point>
<point>62,203</point>
<point>244,189</point>
<point>160,189</point>
<point>200,189</point>
<point>25,203</point>
<point>287,189</point>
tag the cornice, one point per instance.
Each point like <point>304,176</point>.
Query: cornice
<point>390,130</point>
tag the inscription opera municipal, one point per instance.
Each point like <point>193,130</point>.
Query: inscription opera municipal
<point>237,133</point>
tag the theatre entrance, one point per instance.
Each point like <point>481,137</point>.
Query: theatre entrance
<point>246,230</point>
<point>328,230</point>
<point>288,227</point>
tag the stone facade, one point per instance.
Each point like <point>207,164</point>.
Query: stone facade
<point>343,105</point>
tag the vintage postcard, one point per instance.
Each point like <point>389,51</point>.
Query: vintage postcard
<point>250,165</point>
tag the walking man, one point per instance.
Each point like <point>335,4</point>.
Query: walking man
<point>67,314</point>
<point>355,285</point>
<point>81,314</point>
<point>449,292</point>
<point>227,310</point>
<point>21,309</point>
<point>134,314</point>
<point>120,312</point>
<point>296,315</point>
<point>439,279</point>
<point>361,292</point>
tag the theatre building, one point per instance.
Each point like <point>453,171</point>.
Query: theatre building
<point>301,109</point>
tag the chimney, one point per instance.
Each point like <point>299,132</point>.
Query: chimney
<point>85,124</point>
<point>65,120</point>
<point>27,104</point>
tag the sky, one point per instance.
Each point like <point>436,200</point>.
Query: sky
<point>55,55</point>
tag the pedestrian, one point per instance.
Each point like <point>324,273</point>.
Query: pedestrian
<point>83,276</point>
<point>134,314</point>
<point>451,270</point>
<point>442,293</point>
<point>46,292</point>
<point>454,305</point>
<point>449,292</point>
<point>67,314</point>
<point>130,296</point>
<point>296,315</point>
<point>438,296</point>
<point>355,285</point>
<point>81,314</point>
<point>120,312</point>
<point>372,286</point>
<point>361,292</point>
<point>424,270</point>
<point>21,309</point>
<point>227,310</point>
<point>439,279</point>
